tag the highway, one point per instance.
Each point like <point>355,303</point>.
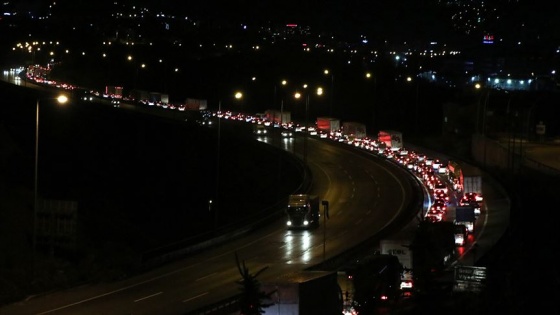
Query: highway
<point>365,195</point>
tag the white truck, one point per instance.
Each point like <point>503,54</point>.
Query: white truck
<point>391,138</point>
<point>277,117</point>
<point>352,130</point>
<point>471,180</point>
<point>400,249</point>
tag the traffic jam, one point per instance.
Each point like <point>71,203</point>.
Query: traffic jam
<point>444,183</point>
<point>459,205</point>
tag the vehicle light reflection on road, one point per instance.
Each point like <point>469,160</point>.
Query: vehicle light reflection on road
<point>298,246</point>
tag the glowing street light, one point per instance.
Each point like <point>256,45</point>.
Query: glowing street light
<point>298,95</point>
<point>61,99</point>
<point>327,72</point>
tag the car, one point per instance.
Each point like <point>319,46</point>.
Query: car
<point>115,102</point>
<point>260,130</point>
<point>440,194</point>
<point>439,204</point>
<point>439,185</point>
<point>435,215</point>
<point>287,133</point>
<point>473,196</point>
<point>460,232</point>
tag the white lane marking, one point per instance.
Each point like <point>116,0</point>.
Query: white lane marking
<point>195,297</point>
<point>147,297</point>
<point>209,275</point>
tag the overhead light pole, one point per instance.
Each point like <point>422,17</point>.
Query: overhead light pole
<point>374,109</point>
<point>61,99</point>
<point>298,95</point>
<point>215,204</point>
<point>328,73</point>
<point>409,79</point>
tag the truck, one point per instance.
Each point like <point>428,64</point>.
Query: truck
<point>114,91</point>
<point>391,138</point>
<point>277,117</point>
<point>158,98</point>
<point>401,250</point>
<point>352,130</point>
<point>433,249</point>
<point>470,179</point>
<point>328,125</point>
<point>302,211</point>
<point>196,104</point>
<point>304,292</point>
<point>454,174</point>
<point>464,215</point>
<point>140,96</point>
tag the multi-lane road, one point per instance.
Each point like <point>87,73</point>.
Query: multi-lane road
<point>365,194</point>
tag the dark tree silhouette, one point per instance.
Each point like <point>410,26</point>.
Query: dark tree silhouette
<point>252,298</point>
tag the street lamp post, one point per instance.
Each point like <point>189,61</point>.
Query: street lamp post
<point>325,204</point>
<point>327,72</point>
<point>374,116</point>
<point>481,128</point>
<point>409,79</point>
<point>61,99</point>
<point>284,82</point>
<point>319,92</point>
<point>216,203</point>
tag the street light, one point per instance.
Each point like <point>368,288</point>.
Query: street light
<point>481,128</point>
<point>327,72</point>
<point>298,95</point>
<point>325,204</point>
<point>374,116</point>
<point>237,95</point>
<point>409,79</point>
<point>61,99</point>
<point>284,82</point>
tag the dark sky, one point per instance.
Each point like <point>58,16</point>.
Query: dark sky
<point>384,16</point>
<point>401,19</point>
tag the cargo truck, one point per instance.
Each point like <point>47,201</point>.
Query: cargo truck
<point>302,211</point>
<point>277,117</point>
<point>464,215</point>
<point>158,98</point>
<point>352,130</point>
<point>328,125</point>
<point>391,138</point>
<point>196,104</point>
<point>140,96</point>
<point>401,249</point>
<point>303,293</point>
<point>471,180</point>
<point>114,91</point>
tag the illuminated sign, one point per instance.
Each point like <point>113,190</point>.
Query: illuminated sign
<point>469,278</point>
<point>488,39</point>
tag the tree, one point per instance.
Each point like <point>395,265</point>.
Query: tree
<point>252,298</point>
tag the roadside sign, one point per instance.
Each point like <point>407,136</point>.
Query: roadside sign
<point>469,279</point>
<point>540,129</point>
